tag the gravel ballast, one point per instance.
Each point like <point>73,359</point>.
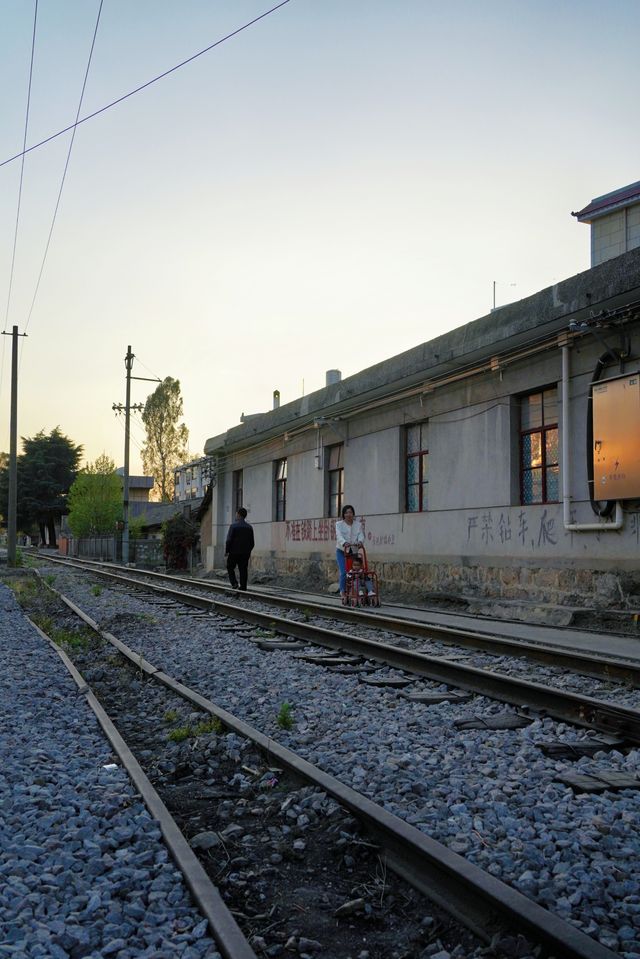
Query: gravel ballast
<point>489,795</point>
<point>83,869</point>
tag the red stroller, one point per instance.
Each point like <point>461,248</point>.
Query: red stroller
<point>362,580</point>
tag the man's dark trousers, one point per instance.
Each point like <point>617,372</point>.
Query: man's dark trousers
<point>241,560</point>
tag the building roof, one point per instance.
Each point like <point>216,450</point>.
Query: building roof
<point>545,314</point>
<point>155,514</point>
<point>137,482</point>
<point>609,202</point>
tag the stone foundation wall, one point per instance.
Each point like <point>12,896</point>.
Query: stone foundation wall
<point>419,582</point>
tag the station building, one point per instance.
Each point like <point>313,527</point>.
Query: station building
<point>499,460</point>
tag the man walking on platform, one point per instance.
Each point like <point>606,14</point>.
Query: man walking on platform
<point>238,548</point>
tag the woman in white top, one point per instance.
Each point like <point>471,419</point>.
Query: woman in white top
<point>349,532</point>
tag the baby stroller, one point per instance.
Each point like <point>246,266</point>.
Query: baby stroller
<point>362,581</point>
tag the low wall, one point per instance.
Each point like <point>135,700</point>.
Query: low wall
<point>610,589</point>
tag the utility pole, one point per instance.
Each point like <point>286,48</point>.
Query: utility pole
<point>12,512</point>
<point>127,408</point>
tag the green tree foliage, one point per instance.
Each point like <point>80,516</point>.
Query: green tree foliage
<point>166,444</point>
<point>46,469</point>
<point>95,499</point>
<point>136,525</point>
<point>178,537</point>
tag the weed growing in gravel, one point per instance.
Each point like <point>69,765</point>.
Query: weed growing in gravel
<point>180,734</point>
<point>306,615</point>
<point>170,716</point>
<point>96,590</point>
<point>284,718</point>
<point>45,623</point>
<point>266,633</point>
<point>210,725</point>
<point>49,579</point>
<point>72,640</point>
<point>24,589</point>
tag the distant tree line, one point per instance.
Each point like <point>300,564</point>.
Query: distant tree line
<point>52,484</point>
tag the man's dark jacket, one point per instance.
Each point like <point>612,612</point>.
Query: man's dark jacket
<point>240,538</point>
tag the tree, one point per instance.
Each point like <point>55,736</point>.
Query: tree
<point>95,499</point>
<point>46,469</point>
<point>166,444</point>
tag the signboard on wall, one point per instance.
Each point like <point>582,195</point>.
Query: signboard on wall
<point>616,438</point>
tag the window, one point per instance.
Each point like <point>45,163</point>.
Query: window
<point>417,468</point>
<point>539,470</point>
<point>280,479</point>
<point>237,490</point>
<point>335,471</point>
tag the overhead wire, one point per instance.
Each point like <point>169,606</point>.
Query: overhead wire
<point>66,167</point>
<point>24,144</point>
<point>144,86</point>
<point>15,234</point>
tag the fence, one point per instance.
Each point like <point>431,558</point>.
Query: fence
<point>142,552</point>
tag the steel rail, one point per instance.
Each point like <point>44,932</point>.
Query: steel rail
<point>617,670</point>
<point>481,902</point>
<point>228,936</point>
<point>567,706</point>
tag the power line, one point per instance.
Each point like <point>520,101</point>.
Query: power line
<point>24,151</point>
<point>143,86</point>
<point>66,167</point>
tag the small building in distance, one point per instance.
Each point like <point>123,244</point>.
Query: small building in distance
<point>191,481</point>
<point>139,486</point>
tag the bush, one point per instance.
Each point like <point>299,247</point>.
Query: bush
<point>178,537</point>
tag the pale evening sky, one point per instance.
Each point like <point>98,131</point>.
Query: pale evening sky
<point>334,185</point>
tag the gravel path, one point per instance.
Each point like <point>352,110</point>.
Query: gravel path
<point>489,795</point>
<point>83,869</point>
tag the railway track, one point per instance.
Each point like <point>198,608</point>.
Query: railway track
<point>620,722</point>
<point>486,905</point>
<point>609,668</point>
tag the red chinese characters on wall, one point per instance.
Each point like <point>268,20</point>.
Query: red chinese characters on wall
<point>311,530</point>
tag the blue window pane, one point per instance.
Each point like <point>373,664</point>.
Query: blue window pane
<point>553,484</point>
<point>425,502</point>
<point>413,470</point>
<point>413,499</point>
<point>531,486</point>
<point>531,450</point>
<point>413,439</point>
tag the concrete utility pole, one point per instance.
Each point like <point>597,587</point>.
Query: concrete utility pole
<point>12,512</point>
<point>119,408</point>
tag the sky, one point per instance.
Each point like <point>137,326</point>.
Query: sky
<point>336,184</point>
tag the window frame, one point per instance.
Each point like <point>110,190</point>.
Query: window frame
<point>421,455</point>
<point>335,480</point>
<point>280,489</point>
<point>544,429</point>
<point>237,487</point>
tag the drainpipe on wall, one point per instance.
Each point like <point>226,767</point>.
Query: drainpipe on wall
<point>566,470</point>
